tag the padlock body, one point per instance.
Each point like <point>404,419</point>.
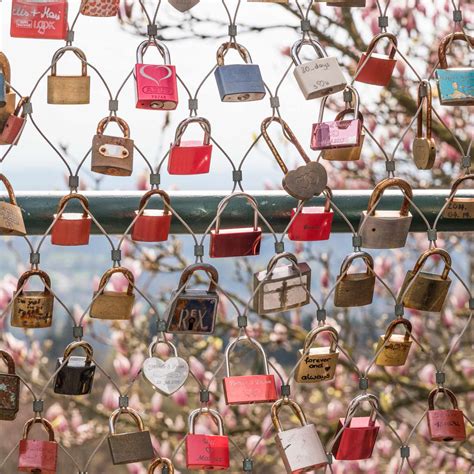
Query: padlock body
<point>35,455</point>
<point>11,219</point>
<point>446,425</point>
<point>112,305</point>
<point>127,448</point>
<point>311,224</point>
<point>456,86</point>
<point>460,208</point>
<point>348,4</point>
<point>336,134</point>
<point>395,351</point>
<point>69,90</point>
<point>75,378</point>
<point>424,153</point>
<point>9,396</point>
<point>156,87</point>
<point>241,242</point>
<point>71,229</point>
<point>8,109</point>
<point>357,440</point>
<point>351,153</point>
<point>354,289</point>
<point>319,365</point>
<point>377,70</point>
<point>246,389</point>
<point>239,82</point>
<point>189,157</point>
<point>208,452</point>
<point>12,130</point>
<point>385,230</point>
<point>153,225</point>
<point>32,309</point>
<point>100,8</point>
<point>183,5</point>
<point>112,155</point>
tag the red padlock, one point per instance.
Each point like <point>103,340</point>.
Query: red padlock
<point>72,228</point>
<point>240,242</point>
<point>356,436</point>
<point>15,123</point>
<point>445,425</point>
<point>203,451</point>
<point>153,225</point>
<point>312,223</point>
<point>246,389</point>
<point>156,84</point>
<point>190,156</point>
<point>36,455</point>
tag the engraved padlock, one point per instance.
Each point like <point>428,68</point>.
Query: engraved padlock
<point>15,124</point>
<point>112,155</point>
<point>238,82</point>
<point>9,389</point>
<point>161,463</point>
<point>459,207</point>
<point>386,229</point>
<point>282,287</point>
<point>7,105</point>
<point>424,147</point>
<point>69,90</point>
<point>11,217</point>
<point>100,8</point>
<point>396,347</point>
<point>427,291</point>
<point>183,5</point>
<point>305,181</point>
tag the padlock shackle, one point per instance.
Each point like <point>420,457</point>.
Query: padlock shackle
<point>125,411</point>
<point>85,346</point>
<point>231,346</point>
<point>276,258</point>
<point>9,362</point>
<point>327,202</point>
<point>19,106</point>
<point>396,322</point>
<point>155,192</point>
<point>124,271</point>
<point>296,48</point>
<point>59,54</point>
<point>295,408</point>
<point>101,126</point>
<point>223,204</point>
<point>65,199</point>
<point>340,116</point>
<point>314,333</point>
<point>195,414</point>
<point>183,125</point>
<point>34,272</point>
<point>458,182</point>
<point>429,110</point>
<point>159,45</point>
<point>46,425</point>
<point>446,41</point>
<point>6,70</point>
<point>347,262</point>
<point>205,267</point>
<point>224,48</point>
<point>9,188</point>
<point>445,391</point>
<point>379,189</point>
<point>376,39</point>
<point>160,462</point>
<point>152,347</point>
<point>434,251</point>
<point>354,405</point>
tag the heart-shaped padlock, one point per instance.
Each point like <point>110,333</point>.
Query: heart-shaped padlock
<point>306,181</point>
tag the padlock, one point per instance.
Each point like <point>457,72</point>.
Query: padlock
<point>396,349</point>
<point>318,363</point>
<point>459,207</point>
<point>33,309</point>
<point>300,448</point>
<point>156,86</point>
<point>386,229</point>
<point>356,435</point>
<point>283,287</point>
<point>235,242</point>
<point>374,68</point>
<point>194,311</point>
<point>355,289</point>
<point>9,97</point>
<point>9,389</point>
<point>445,425</point>
<point>312,222</point>
<point>152,225</point>
<point>346,3</point>
<point>77,376</point>
<point>115,305</point>
<point>100,8</point>
<point>72,228</point>
<point>37,455</point>
<point>320,77</point>
<point>161,463</point>
<point>11,217</point>
<point>14,125</point>
<point>246,389</point>
<point>427,291</point>
<point>190,156</point>
<point>69,90</point>
<point>238,82</point>
<point>183,5</point>
<point>206,451</point>
<point>424,147</point>
<point>305,181</point>
<point>112,155</point>
<point>129,447</point>
<point>455,84</point>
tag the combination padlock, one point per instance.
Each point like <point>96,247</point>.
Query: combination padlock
<point>396,347</point>
<point>9,389</point>
<point>15,124</point>
<point>459,207</point>
<point>424,147</point>
<point>11,217</point>
<point>8,96</point>
<point>100,8</point>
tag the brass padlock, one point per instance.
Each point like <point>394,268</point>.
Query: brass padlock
<point>10,96</point>
<point>459,207</point>
<point>109,304</point>
<point>9,389</point>
<point>355,289</point>
<point>428,291</point>
<point>69,90</point>
<point>318,363</point>
<point>112,155</point>
<point>33,309</point>
<point>11,218</point>
<point>161,463</point>
<point>424,147</point>
<point>396,349</point>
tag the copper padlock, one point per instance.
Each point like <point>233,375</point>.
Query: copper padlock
<point>161,463</point>
<point>100,8</point>
<point>11,217</point>
<point>9,389</point>
<point>459,207</point>
<point>33,309</point>
<point>396,347</point>
<point>424,147</point>
<point>15,124</point>
<point>9,99</point>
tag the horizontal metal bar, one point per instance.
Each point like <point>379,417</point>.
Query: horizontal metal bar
<point>115,210</point>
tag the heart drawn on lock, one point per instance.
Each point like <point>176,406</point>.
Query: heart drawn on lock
<point>306,181</point>
<point>166,377</point>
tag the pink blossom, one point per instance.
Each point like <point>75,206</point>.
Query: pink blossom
<point>110,397</point>
<point>122,365</point>
<point>180,397</point>
<point>252,441</point>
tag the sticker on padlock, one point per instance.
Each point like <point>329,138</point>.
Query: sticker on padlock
<point>459,207</point>
<point>11,217</point>
<point>9,389</point>
<point>15,124</point>
<point>8,96</point>
<point>183,5</point>
<point>396,347</point>
<point>100,8</point>
<point>160,463</point>
<point>424,147</point>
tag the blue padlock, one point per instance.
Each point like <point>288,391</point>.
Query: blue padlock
<point>238,82</point>
<point>455,85</point>
<point>3,91</point>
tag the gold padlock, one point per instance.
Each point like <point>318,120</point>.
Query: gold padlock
<point>459,207</point>
<point>69,90</point>
<point>10,96</point>
<point>429,290</point>
<point>114,304</point>
<point>396,349</point>
<point>11,218</point>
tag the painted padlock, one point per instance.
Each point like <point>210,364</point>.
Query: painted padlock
<point>282,287</point>
<point>152,225</point>
<point>238,82</point>
<point>100,8</point>
<point>37,455</point>
<point>156,85</point>
<point>130,447</point>
<point>300,448</point>
<point>161,463</point>
<point>305,181</point>
<point>15,124</point>
<point>396,347</point>
<point>459,207</point>
<point>183,5</point>
<point>72,228</point>
<point>9,389</point>
<point>33,309</point>
<point>190,156</point>
<point>246,389</point>
<point>235,242</point>
<point>320,77</point>
<point>194,311</point>
<point>77,375</point>
<point>355,289</point>
<point>116,305</point>
<point>69,90</point>
<point>424,146</point>
<point>455,84</point>
<point>445,425</point>
<point>427,291</point>
<point>386,229</point>
<point>205,451</point>
<point>318,364</point>
<point>11,217</point>
<point>7,105</point>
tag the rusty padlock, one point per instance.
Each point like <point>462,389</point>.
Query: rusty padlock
<point>15,124</point>
<point>9,389</point>
<point>161,463</point>
<point>396,347</point>
<point>424,147</point>
<point>459,207</point>
<point>100,8</point>
<point>7,105</point>
<point>11,217</point>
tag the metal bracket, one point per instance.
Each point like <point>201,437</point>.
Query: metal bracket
<point>204,395</point>
<point>247,465</point>
<point>432,235</point>
<point>193,104</point>
<point>77,332</point>
<point>466,162</point>
<point>423,90</point>
<point>347,96</point>
<point>363,383</point>
<point>113,105</point>
<point>237,176</point>
<point>390,165</point>
<point>70,36</point>
<point>405,452</point>
<point>232,30</point>
<point>152,30</point>
<point>35,258</point>
<point>440,377</point>
<point>155,179</point>
<point>305,26</point>
<point>123,401</point>
<point>116,255</point>
<point>28,108</point>
<point>330,458</point>
<point>471,303</point>
<point>399,309</point>
<point>161,327</point>
<point>38,406</point>
<point>242,321</point>
<point>74,182</point>
<point>321,315</point>
<point>199,250</point>
<point>274,102</point>
<point>383,21</point>
<point>285,390</point>
<point>279,247</point>
<point>357,241</point>
<point>457,16</point>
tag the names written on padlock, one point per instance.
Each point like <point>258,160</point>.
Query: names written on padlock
<point>460,210</point>
<point>32,308</point>
<point>193,315</point>
<point>211,455</point>
<point>249,386</point>
<point>315,66</point>
<point>46,12</point>
<point>39,20</point>
<point>9,218</point>
<point>447,423</point>
<point>318,363</point>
